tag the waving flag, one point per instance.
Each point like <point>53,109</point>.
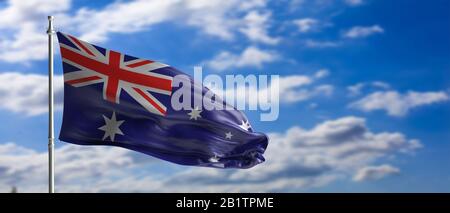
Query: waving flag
<point>115,99</point>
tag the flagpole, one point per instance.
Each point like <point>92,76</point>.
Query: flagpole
<point>51,133</point>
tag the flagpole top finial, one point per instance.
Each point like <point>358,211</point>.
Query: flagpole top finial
<point>50,25</point>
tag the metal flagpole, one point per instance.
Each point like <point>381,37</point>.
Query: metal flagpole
<point>51,133</point>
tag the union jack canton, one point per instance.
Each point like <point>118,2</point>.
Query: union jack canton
<point>98,65</point>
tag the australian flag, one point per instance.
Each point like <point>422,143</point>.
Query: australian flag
<point>116,99</point>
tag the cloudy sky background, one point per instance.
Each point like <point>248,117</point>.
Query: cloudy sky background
<point>365,95</point>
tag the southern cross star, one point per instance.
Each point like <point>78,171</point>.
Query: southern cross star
<point>228,135</point>
<point>245,125</point>
<point>214,159</point>
<point>194,114</point>
<point>111,127</point>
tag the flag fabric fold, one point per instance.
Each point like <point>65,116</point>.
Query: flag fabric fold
<point>116,99</point>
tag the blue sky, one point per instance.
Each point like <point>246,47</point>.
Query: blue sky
<point>373,117</point>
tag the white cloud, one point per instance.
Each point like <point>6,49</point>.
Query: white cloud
<point>24,35</point>
<point>250,57</point>
<point>294,88</point>
<point>75,166</point>
<point>312,105</point>
<point>213,17</point>
<point>397,104</point>
<point>363,31</point>
<point>295,94</point>
<point>245,5</point>
<point>354,2</point>
<point>296,159</point>
<point>321,44</point>
<point>19,12</point>
<point>306,24</point>
<point>23,26</point>
<point>126,17</point>
<point>28,93</point>
<point>356,89</point>
<point>381,84</point>
<point>321,73</point>
<point>375,172</point>
<point>256,26</point>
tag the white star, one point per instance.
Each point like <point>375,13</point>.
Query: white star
<point>228,135</point>
<point>111,127</point>
<point>245,125</point>
<point>195,113</point>
<point>214,159</point>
